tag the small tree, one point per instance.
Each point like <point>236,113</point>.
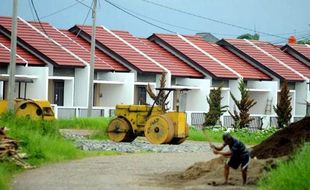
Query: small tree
<point>242,119</point>
<point>284,108</point>
<point>161,99</point>
<point>215,108</point>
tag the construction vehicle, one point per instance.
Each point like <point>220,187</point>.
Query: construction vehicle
<point>23,107</point>
<point>150,121</point>
<point>32,108</point>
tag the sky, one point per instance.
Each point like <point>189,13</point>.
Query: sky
<point>274,20</point>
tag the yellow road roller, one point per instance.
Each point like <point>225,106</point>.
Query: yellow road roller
<point>32,108</point>
<point>150,121</point>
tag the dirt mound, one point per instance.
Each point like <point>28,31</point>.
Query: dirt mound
<point>211,173</point>
<point>285,141</point>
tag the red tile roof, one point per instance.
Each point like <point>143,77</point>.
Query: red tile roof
<point>99,54</point>
<point>36,40</point>
<point>302,49</point>
<point>168,60</point>
<point>246,70</point>
<point>199,58</point>
<point>119,47</point>
<point>284,57</point>
<point>23,57</point>
<point>259,51</point>
<point>71,45</point>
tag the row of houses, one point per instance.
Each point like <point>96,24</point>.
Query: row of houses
<point>53,64</point>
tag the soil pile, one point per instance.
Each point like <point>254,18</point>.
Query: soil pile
<point>211,173</point>
<point>285,141</point>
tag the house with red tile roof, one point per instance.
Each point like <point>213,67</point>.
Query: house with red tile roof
<point>220,66</point>
<point>54,64</point>
<point>276,63</point>
<point>299,51</point>
<point>144,58</point>
<point>24,61</point>
<point>60,67</point>
<point>61,64</point>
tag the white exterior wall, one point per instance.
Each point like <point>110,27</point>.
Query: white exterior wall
<point>196,99</point>
<point>262,91</point>
<point>81,87</point>
<point>1,90</point>
<point>225,93</point>
<point>39,88</point>
<point>113,94</point>
<point>68,93</point>
<point>302,95</point>
<point>234,89</point>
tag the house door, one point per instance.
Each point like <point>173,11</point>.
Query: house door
<point>141,95</point>
<point>59,92</point>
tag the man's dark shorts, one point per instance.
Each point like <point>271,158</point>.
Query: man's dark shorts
<point>235,161</point>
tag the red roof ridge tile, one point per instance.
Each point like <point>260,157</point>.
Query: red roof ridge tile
<point>136,49</point>
<point>176,66</point>
<point>18,56</point>
<point>53,41</point>
<point>97,58</point>
<point>209,55</point>
<point>276,59</point>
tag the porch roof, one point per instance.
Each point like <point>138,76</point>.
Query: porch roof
<point>19,78</point>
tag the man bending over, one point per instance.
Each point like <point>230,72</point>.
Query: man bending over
<point>238,153</point>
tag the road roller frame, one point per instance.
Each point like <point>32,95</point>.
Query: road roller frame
<point>149,121</point>
<point>33,108</point>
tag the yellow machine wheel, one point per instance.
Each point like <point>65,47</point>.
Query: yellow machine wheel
<point>119,130</point>
<point>159,130</point>
<point>179,140</point>
<point>29,109</point>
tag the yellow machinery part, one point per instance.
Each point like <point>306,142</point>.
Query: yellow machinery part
<point>179,123</point>
<point>35,109</point>
<point>137,115</point>
<point>120,130</point>
<point>28,108</point>
<point>159,129</point>
<point>179,140</point>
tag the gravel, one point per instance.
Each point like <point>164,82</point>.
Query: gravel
<point>81,140</point>
<point>140,146</point>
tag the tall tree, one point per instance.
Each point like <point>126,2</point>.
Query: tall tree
<point>242,118</point>
<point>161,100</point>
<point>216,110</point>
<point>249,36</point>
<point>284,108</point>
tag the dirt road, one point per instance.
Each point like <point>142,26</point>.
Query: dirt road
<point>132,171</point>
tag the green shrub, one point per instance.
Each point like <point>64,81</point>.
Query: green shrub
<point>245,135</point>
<point>293,174</point>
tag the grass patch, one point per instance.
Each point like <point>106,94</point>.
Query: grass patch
<point>43,143</point>
<point>244,135</point>
<point>293,174</point>
<point>83,123</point>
